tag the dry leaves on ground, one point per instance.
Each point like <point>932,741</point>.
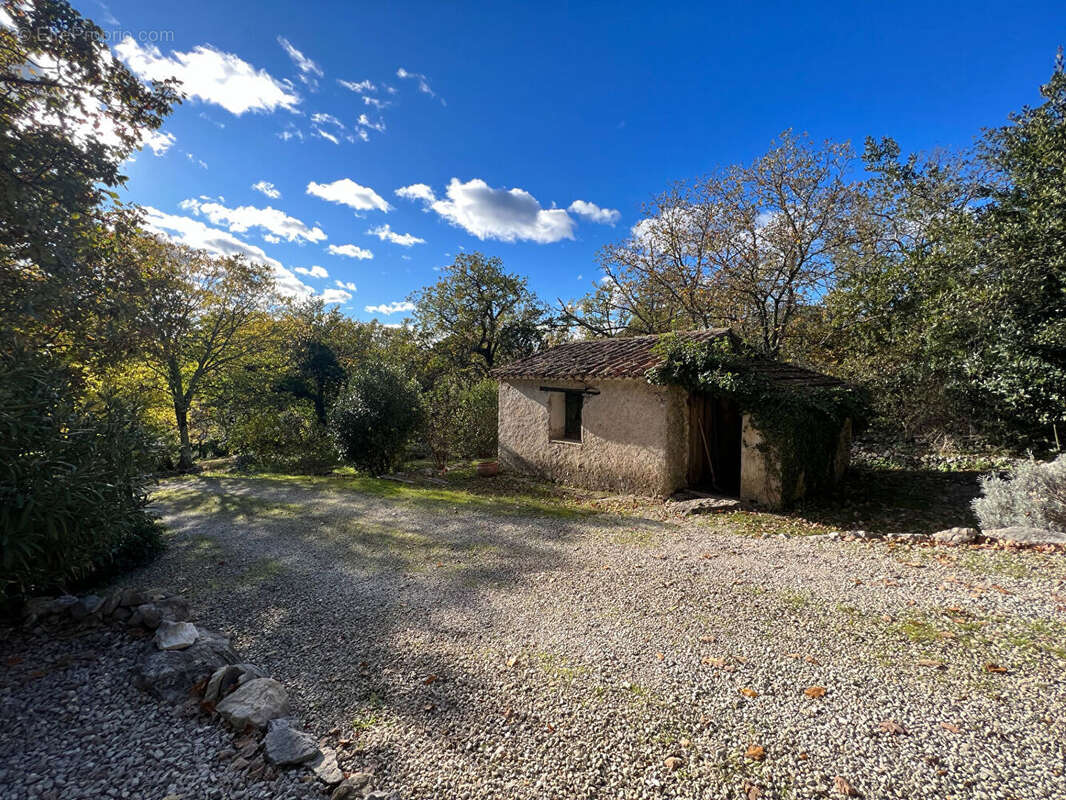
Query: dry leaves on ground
<point>996,668</point>
<point>890,726</point>
<point>844,788</point>
<point>749,692</point>
<point>672,763</point>
<point>756,752</point>
<point>814,691</point>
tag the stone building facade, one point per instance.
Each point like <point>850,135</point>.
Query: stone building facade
<point>583,414</point>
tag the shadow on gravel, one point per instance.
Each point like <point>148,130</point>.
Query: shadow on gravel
<point>366,606</point>
<point>897,501</point>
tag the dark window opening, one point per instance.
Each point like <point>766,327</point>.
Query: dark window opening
<point>572,425</point>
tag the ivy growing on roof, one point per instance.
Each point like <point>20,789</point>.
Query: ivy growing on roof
<point>800,423</point>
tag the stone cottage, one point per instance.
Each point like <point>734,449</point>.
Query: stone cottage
<point>584,414</point>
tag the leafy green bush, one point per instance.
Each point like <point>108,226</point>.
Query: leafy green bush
<point>290,441</point>
<point>375,417</point>
<point>73,475</point>
<point>478,420</point>
<point>1032,495</point>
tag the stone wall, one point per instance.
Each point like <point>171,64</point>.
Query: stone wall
<point>634,435</point>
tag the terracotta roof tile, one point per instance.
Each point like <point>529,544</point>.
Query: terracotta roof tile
<point>627,357</point>
<point>631,357</point>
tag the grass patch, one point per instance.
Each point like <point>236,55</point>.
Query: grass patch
<point>760,524</point>
<point>495,496</point>
<point>261,571</point>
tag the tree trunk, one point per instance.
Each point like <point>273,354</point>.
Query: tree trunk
<point>181,416</point>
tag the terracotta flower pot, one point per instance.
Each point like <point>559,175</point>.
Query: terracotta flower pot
<point>487,469</point>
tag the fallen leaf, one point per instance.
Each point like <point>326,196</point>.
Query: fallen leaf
<point>756,752</point>
<point>844,788</point>
<point>713,662</point>
<point>814,691</point>
<point>430,679</point>
<point>892,727</point>
<point>512,661</point>
<point>706,639</point>
<point>812,660</point>
<point>995,668</point>
<point>660,656</point>
<point>672,763</point>
<point>749,692</point>
<point>802,756</point>
<point>685,744</point>
<point>948,726</point>
<point>752,790</point>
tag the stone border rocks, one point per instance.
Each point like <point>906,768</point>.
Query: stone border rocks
<point>197,668</point>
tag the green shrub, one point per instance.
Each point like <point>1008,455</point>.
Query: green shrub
<point>73,475</point>
<point>478,420</point>
<point>1032,495</point>
<point>375,417</point>
<point>289,441</point>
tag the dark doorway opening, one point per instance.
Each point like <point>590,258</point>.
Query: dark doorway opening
<point>714,444</point>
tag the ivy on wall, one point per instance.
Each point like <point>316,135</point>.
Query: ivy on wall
<point>801,425</point>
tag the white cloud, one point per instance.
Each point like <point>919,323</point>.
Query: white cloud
<point>364,120</point>
<point>360,87</point>
<point>315,271</point>
<point>351,251</point>
<point>327,136</point>
<point>390,308</point>
<point>308,69</point>
<point>291,133</point>
<point>373,101</point>
<point>593,213</point>
<point>270,219</point>
<point>416,191</point>
<point>157,141</point>
<point>386,234</point>
<point>326,119</point>
<point>423,82</point>
<point>346,285</point>
<point>487,213</point>
<point>335,296</point>
<point>364,136</point>
<point>197,161</point>
<point>269,237</point>
<point>347,192</point>
<point>267,188</point>
<point>211,76</point>
<point>196,234</point>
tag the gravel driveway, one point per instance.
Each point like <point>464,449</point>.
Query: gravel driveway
<point>475,650</point>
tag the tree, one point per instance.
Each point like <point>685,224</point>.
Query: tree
<point>375,417</point>
<point>70,114</point>
<point>898,318</point>
<point>477,315</point>
<point>316,373</point>
<point>199,316</point>
<point>747,247</point>
<point>1019,362</point>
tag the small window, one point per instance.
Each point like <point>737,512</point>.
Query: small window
<point>564,415</point>
<point>572,430</point>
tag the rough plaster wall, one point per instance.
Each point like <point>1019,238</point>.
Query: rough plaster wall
<point>760,478</point>
<point>632,437</point>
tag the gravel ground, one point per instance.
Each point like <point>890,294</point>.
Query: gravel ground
<point>75,727</point>
<point>470,650</point>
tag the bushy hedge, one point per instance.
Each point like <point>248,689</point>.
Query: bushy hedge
<point>1032,495</point>
<point>73,476</point>
<point>375,417</point>
<point>290,440</point>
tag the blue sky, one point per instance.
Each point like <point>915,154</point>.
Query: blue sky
<point>528,131</point>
